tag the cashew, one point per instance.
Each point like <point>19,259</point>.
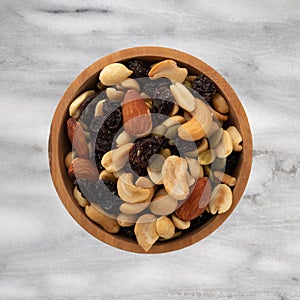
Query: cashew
<point>99,109</point>
<point>69,157</point>
<point>75,105</point>
<point>155,177</point>
<point>218,116</point>
<point>117,174</point>
<point>219,164</point>
<point>161,192</point>
<point>79,198</point>
<point>171,133</point>
<point>105,175</point>
<point>196,170</point>
<point>215,139</point>
<point>220,104</point>
<point>163,205</point>
<point>215,126</point>
<point>236,138</point>
<point>174,177</point>
<point>225,147</point>
<point>113,94</point>
<point>225,178</point>
<point>114,73</point>
<point>124,138</point>
<point>134,208</point>
<point>159,130</point>
<point>156,162</point>
<point>174,120</point>
<point>129,192</point>
<point>207,157</point>
<point>203,146</point>
<point>180,224</point>
<point>129,84</point>
<point>176,235</point>
<point>221,199</point>
<point>145,183</point>
<point>165,227</point>
<point>96,214</point>
<point>183,96</point>
<point>187,115</point>
<point>189,179</point>
<point>168,68</point>
<point>145,231</point>
<point>115,159</point>
<point>126,220</point>
<point>198,126</point>
<point>174,110</point>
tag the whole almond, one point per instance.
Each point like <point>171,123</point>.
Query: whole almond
<point>81,168</point>
<point>77,138</point>
<point>136,114</point>
<point>195,205</point>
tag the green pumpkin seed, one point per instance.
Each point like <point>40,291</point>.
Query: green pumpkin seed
<point>172,132</point>
<point>156,162</point>
<point>207,157</point>
<point>159,130</point>
<point>216,138</point>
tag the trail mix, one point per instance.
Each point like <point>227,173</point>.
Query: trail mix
<point>153,151</point>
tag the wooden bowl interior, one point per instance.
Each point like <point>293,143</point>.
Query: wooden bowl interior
<point>59,145</point>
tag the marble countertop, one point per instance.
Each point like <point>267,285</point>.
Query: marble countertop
<point>45,254</point>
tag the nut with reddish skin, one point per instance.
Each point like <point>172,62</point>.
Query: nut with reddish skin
<point>136,114</point>
<point>77,138</point>
<point>81,168</point>
<point>195,205</point>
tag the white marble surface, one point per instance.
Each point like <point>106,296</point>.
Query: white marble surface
<point>44,254</point>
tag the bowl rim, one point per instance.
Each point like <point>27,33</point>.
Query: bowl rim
<point>57,167</point>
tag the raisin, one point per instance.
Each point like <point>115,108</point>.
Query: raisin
<point>87,108</point>
<point>231,162</point>
<point>98,158</point>
<point>204,87</point>
<point>112,187</point>
<point>110,106</point>
<point>199,221</point>
<point>149,86</point>
<point>141,152</point>
<point>86,188</point>
<point>95,125</point>
<point>104,193</point>
<point>139,68</point>
<point>108,198</point>
<point>163,101</point>
<point>129,231</point>
<point>102,145</point>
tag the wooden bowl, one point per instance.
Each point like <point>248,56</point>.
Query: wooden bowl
<point>59,145</point>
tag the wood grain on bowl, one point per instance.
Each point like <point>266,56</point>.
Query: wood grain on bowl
<point>59,145</point>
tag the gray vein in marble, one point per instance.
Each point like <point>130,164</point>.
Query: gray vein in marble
<point>45,254</point>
